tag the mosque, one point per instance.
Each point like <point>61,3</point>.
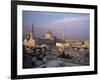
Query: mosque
<point>47,39</point>
<point>29,41</point>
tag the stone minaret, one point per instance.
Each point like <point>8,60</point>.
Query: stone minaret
<point>63,36</point>
<point>32,31</point>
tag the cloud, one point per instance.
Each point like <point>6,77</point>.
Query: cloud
<point>67,21</point>
<point>72,26</point>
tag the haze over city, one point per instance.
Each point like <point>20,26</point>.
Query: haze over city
<point>73,25</point>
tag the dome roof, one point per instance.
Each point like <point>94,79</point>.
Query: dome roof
<point>49,32</point>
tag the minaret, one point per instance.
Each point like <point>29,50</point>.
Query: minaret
<point>32,31</point>
<point>32,40</point>
<point>63,36</point>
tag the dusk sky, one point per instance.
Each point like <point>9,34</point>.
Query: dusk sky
<point>73,25</point>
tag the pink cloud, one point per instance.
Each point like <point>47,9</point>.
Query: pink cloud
<point>67,20</point>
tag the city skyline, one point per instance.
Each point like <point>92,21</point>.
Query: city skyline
<point>73,25</point>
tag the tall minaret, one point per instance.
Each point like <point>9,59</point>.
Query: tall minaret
<point>32,32</point>
<point>32,29</point>
<point>32,40</point>
<point>63,36</point>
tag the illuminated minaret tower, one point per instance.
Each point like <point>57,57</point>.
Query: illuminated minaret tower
<point>32,29</point>
<point>32,32</point>
<point>63,36</point>
<point>31,40</point>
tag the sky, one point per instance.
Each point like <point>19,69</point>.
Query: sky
<point>75,26</point>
